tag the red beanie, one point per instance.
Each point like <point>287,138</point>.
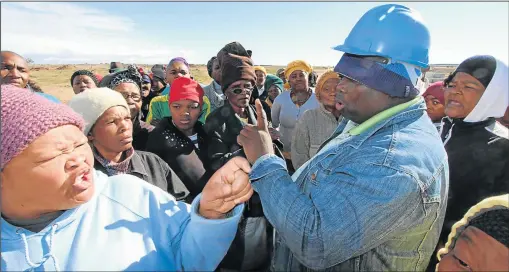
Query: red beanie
<point>185,88</point>
<point>437,90</point>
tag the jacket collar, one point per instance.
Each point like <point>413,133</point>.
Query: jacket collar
<point>412,112</point>
<point>137,165</point>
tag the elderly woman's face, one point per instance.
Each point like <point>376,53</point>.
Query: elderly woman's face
<point>273,92</point>
<point>132,95</point>
<point>327,94</point>
<point>298,81</point>
<point>462,95</point>
<point>113,131</point>
<point>175,70</point>
<point>53,173</point>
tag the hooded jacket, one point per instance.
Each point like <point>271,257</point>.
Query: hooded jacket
<point>128,225</point>
<point>478,151</point>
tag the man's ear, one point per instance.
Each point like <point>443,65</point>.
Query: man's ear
<point>90,136</point>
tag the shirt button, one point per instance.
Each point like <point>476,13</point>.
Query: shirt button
<point>313,176</point>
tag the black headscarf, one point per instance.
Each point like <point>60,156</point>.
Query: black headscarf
<point>85,73</point>
<point>481,67</point>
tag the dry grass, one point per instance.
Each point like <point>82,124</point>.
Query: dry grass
<point>55,79</point>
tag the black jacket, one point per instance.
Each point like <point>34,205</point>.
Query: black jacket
<point>223,127</point>
<point>152,169</point>
<point>140,133</point>
<point>189,162</point>
<point>478,165</point>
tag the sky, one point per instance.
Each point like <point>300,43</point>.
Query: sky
<point>277,32</point>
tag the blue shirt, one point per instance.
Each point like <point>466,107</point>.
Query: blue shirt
<point>128,224</point>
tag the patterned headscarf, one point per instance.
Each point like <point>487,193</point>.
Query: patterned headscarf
<point>131,75</point>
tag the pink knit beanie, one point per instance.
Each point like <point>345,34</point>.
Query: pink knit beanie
<point>27,116</point>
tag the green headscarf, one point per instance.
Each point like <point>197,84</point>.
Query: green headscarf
<point>273,80</point>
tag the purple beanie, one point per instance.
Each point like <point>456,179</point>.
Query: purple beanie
<point>179,59</point>
<point>392,79</point>
<point>27,116</point>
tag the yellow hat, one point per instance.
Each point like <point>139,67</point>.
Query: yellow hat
<point>260,68</point>
<point>324,77</point>
<point>297,65</point>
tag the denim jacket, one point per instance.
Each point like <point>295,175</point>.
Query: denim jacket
<point>373,201</point>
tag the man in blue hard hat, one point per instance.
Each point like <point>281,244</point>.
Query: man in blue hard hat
<point>374,196</point>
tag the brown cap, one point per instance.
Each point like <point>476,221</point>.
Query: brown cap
<point>235,68</point>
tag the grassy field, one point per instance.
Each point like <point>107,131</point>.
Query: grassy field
<point>56,79</point>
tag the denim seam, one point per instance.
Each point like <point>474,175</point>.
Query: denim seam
<point>419,249</point>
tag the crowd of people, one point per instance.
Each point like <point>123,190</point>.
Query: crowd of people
<point>363,167</point>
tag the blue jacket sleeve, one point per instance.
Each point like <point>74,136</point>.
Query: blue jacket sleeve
<point>194,242</point>
<point>349,210</point>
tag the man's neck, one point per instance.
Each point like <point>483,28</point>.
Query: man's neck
<point>240,111</point>
<point>187,132</point>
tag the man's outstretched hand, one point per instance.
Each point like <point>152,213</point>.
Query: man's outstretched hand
<point>228,187</point>
<point>256,140</point>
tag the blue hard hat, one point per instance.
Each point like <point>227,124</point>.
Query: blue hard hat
<point>392,31</point>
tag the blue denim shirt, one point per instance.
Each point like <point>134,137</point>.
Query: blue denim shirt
<point>374,201</point>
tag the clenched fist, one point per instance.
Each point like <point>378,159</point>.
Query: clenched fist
<point>228,187</point>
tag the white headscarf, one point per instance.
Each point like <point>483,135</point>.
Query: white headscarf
<point>495,99</point>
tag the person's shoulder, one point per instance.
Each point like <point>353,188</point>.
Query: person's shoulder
<point>279,99</point>
<point>160,98</point>
<point>152,159</point>
<point>309,115</point>
<point>206,100</point>
<point>500,131</point>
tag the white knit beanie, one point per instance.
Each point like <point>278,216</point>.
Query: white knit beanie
<point>92,103</point>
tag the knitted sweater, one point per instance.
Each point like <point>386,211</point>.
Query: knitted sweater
<point>285,115</point>
<point>313,128</point>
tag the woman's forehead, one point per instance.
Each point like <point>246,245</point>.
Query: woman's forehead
<point>57,138</point>
<point>178,65</point>
<point>297,72</point>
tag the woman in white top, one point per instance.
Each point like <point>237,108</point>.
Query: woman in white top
<point>289,106</point>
